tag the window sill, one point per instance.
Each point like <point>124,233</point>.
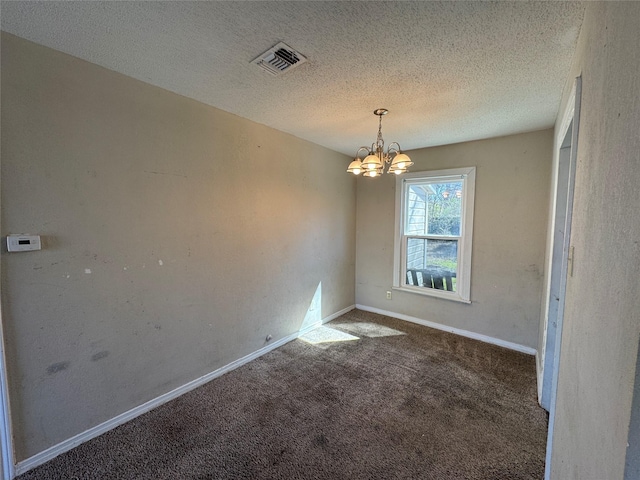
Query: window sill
<point>432,292</point>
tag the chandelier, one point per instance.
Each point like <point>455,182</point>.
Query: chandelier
<point>374,163</point>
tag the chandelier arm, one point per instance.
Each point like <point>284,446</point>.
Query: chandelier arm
<point>391,148</point>
<point>366,149</point>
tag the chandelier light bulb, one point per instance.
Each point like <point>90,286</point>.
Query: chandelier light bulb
<point>355,167</point>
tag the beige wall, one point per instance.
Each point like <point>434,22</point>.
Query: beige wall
<point>602,313</point>
<point>203,233</point>
<point>510,219</point>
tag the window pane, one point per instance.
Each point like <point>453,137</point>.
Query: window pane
<point>432,263</point>
<point>416,201</point>
<point>434,208</point>
<point>444,207</point>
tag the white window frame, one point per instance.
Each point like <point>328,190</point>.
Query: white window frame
<point>463,278</point>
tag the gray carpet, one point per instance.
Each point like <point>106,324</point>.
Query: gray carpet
<point>400,401</point>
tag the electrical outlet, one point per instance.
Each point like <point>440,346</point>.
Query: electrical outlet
<point>388,294</point>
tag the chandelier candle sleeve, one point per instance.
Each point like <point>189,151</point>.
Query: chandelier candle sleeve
<point>376,158</point>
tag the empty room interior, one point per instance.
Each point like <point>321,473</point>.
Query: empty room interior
<point>401,237</point>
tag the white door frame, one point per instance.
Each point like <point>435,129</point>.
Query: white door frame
<point>553,336</point>
<point>562,188</point>
<point>6,441</point>
<point>7,459</point>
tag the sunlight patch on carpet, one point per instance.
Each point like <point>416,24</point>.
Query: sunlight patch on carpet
<point>368,329</point>
<point>327,335</point>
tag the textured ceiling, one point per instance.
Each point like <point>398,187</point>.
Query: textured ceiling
<point>447,71</point>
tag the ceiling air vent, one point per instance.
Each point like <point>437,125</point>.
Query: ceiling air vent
<point>279,59</point>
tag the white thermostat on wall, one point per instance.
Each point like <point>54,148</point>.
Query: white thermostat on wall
<point>23,243</point>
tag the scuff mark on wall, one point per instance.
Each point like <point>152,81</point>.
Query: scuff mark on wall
<point>57,367</point>
<point>100,355</point>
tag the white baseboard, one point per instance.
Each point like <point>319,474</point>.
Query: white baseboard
<point>464,333</point>
<point>328,319</point>
<point>66,445</point>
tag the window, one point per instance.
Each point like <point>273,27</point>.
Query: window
<point>434,226</point>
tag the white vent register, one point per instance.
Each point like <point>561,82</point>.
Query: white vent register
<point>279,59</point>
